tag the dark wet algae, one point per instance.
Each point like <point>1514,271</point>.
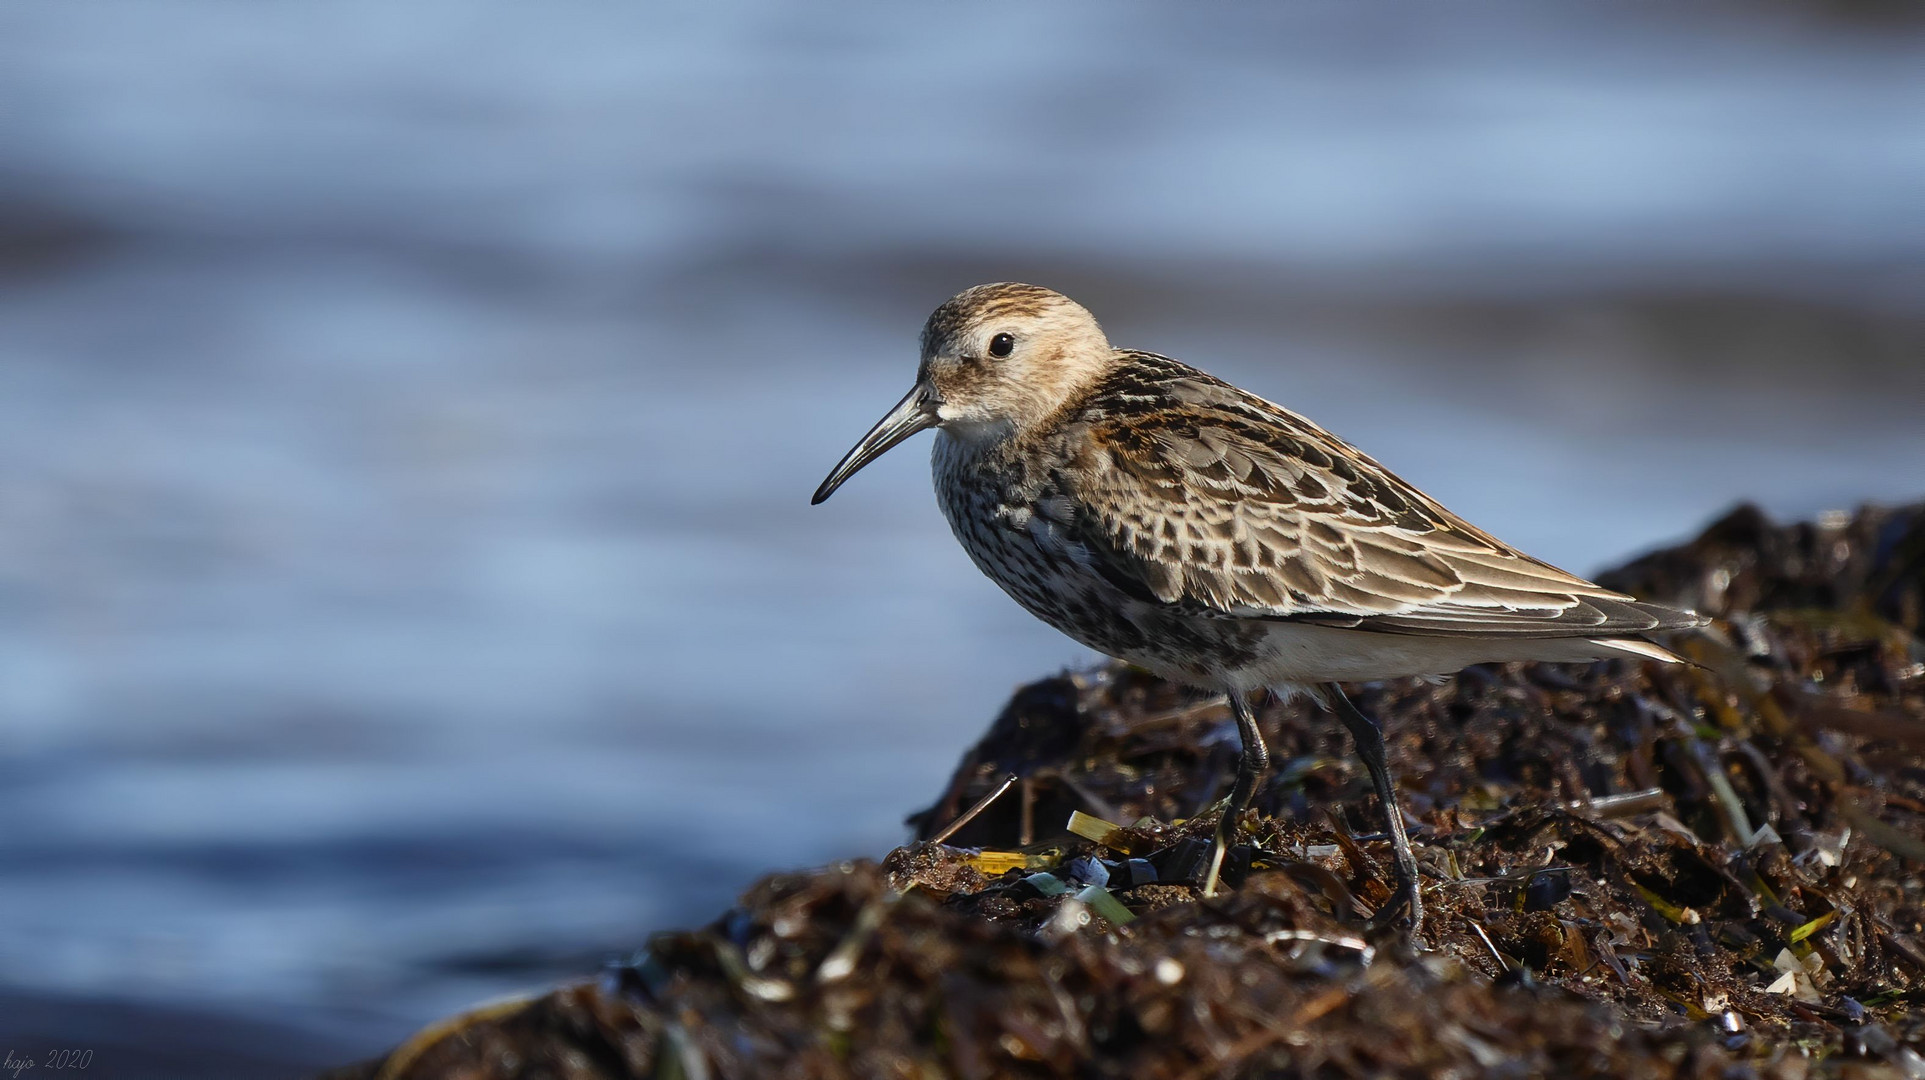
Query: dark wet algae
<point>1631,870</point>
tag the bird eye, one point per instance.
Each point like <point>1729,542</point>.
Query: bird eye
<point>1000,345</point>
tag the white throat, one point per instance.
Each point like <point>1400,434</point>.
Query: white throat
<point>977,434</point>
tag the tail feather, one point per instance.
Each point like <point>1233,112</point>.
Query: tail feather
<point>1639,647</point>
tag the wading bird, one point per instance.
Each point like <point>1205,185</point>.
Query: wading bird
<point>1164,517</point>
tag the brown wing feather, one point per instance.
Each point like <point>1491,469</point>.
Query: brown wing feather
<point>1192,492</point>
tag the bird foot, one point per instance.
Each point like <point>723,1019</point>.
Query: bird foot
<point>1403,913</point>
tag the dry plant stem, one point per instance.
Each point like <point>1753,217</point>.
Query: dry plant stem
<point>1028,834</point>
<point>1250,768</point>
<point>969,815</point>
<point>1626,804</point>
<point>1102,807</point>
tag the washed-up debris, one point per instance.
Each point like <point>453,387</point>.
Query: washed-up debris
<point>1629,870</point>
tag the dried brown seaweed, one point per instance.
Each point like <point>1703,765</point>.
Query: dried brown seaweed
<point>1630,870</point>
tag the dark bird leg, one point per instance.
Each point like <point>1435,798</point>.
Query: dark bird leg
<point>1370,746</point>
<point>1250,768</point>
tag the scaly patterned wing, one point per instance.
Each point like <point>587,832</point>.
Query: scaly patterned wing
<point>1191,492</point>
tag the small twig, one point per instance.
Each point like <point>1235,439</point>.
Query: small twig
<point>1890,837</point>
<point>1621,805</point>
<point>1182,712</point>
<point>1096,802</point>
<point>1522,873</point>
<point>1790,818</point>
<point>1609,953</point>
<point>1502,964</point>
<point>1361,864</point>
<point>1028,834</point>
<point>1737,822</point>
<point>1900,943</point>
<point>1366,951</point>
<point>969,815</point>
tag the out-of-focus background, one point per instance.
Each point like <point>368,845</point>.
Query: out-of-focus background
<point>408,413</point>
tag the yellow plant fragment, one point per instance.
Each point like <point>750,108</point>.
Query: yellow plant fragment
<point>1813,926</point>
<point>1665,907</point>
<point>998,862</point>
<point>1091,828</point>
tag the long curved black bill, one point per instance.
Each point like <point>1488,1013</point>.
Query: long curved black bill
<point>913,413</point>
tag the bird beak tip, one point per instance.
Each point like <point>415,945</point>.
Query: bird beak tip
<point>915,412</point>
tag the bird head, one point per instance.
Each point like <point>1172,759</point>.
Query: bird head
<point>996,360</point>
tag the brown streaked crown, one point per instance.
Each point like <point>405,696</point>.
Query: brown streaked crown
<point>996,300</point>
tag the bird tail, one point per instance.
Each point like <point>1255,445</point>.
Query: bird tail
<point>1649,650</point>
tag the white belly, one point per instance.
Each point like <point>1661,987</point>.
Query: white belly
<point>1299,654</point>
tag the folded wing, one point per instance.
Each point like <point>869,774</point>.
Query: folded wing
<point>1192,492</point>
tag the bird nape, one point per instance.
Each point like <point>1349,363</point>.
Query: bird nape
<point>1167,518</point>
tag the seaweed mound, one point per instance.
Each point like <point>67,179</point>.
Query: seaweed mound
<point>1629,869</point>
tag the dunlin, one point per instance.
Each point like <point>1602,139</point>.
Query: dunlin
<point>1161,515</point>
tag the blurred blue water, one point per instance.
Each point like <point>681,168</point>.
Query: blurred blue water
<point>407,584</point>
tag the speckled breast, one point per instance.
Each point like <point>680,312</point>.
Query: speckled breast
<point>999,507</point>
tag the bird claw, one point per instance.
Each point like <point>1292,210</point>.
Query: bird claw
<point>1403,912</point>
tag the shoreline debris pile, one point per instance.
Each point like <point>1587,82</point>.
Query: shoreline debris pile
<point>1629,869</point>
